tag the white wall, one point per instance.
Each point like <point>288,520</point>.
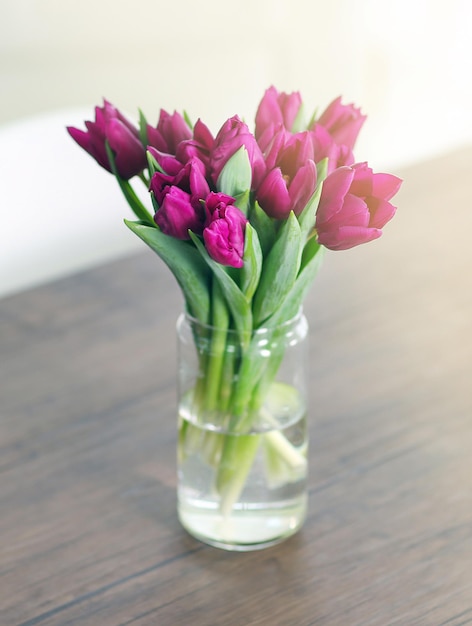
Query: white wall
<point>407,63</point>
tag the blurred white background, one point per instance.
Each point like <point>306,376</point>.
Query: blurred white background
<point>407,64</point>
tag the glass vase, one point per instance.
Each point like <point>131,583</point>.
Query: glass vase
<point>242,432</point>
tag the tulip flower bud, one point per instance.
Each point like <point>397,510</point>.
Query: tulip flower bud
<point>170,131</point>
<point>354,206</point>
<point>112,127</point>
<point>292,182</point>
<point>178,215</point>
<point>200,145</point>
<point>276,109</point>
<point>224,231</point>
<point>324,147</point>
<point>343,122</point>
<point>233,134</point>
<point>189,177</point>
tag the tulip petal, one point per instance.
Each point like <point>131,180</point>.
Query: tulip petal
<point>298,149</point>
<point>113,129</point>
<point>170,131</point>
<point>362,184</point>
<point>159,185</point>
<point>335,188</point>
<point>302,187</point>
<point>272,142</point>
<point>127,148</point>
<point>347,237</point>
<point>224,236</point>
<point>79,136</point>
<point>277,109</point>
<point>273,195</point>
<point>385,185</point>
<point>354,212</point>
<point>177,215</point>
<point>268,111</point>
<point>290,104</point>
<point>343,122</point>
<point>97,149</point>
<point>169,164</point>
<point>381,212</point>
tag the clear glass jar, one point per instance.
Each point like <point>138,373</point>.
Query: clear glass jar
<point>242,442</point>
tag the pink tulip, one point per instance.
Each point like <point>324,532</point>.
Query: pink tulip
<point>190,178</point>
<point>199,145</point>
<point>169,132</point>
<point>324,146</point>
<point>160,185</point>
<point>354,206</point>
<point>292,180</point>
<point>224,231</point>
<point>233,134</point>
<point>276,109</point>
<point>111,126</point>
<point>177,215</point>
<point>169,163</point>
<point>343,122</point>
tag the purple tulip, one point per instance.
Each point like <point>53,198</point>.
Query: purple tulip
<point>200,145</point>
<point>217,201</point>
<point>177,214</point>
<point>224,231</point>
<point>292,180</point>
<point>233,134</point>
<point>170,131</point>
<point>169,163</point>
<point>343,122</point>
<point>160,185</point>
<point>276,109</point>
<point>354,206</point>
<point>110,125</point>
<point>189,177</point>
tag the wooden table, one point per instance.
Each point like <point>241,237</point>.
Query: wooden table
<point>88,527</point>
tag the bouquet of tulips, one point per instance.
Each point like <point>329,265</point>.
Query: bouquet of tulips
<point>242,219</point>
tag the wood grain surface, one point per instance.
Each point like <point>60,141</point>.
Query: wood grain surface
<point>88,526</point>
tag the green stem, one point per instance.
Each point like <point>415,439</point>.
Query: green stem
<point>220,319</point>
<point>256,375</point>
<point>227,380</point>
<point>144,178</point>
<point>237,458</point>
<point>134,202</point>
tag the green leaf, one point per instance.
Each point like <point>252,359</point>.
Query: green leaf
<point>307,217</point>
<point>154,202</point>
<point>153,165</point>
<point>279,271</point>
<point>236,176</point>
<point>185,263</point>
<point>322,169</point>
<point>143,134</point>
<point>243,201</point>
<point>312,119</point>
<point>188,120</point>
<point>312,257</point>
<point>237,303</point>
<point>265,227</point>
<point>219,308</point>
<point>311,249</point>
<point>132,199</point>
<point>299,121</point>
<point>251,270</point>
